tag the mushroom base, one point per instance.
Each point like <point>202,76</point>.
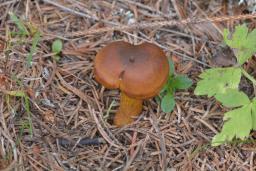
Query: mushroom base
<point>128,110</point>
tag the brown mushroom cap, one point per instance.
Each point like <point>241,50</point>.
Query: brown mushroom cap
<point>140,71</point>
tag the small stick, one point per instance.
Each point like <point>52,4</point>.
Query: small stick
<point>154,123</point>
<point>83,141</point>
<point>163,23</point>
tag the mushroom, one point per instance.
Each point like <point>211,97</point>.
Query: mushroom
<point>139,71</point>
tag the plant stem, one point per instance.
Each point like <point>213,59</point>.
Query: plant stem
<point>248,76</point>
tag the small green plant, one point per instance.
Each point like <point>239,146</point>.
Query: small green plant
<point>223,84</point>
<point>22,28</point>
<point>57,48</point>
<point>174,82</point>
<point>23,32</point>
<point>35,41</point>
<point>24,96</point>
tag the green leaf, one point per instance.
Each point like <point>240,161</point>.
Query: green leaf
<point>238,38</point>
<point>171,67</point>
<point>248,48</point>
<point>164,90</point>
<point>251,40</point>
<point>254,114</point>
<point>218,80</point>
<point>33,49</point>
<point>57,46</point>
<point>181,82</point>
<point>242,41</point>
<point>238,124</point>
<point>233,98</point>
<point>22,29</point>
<point>168,103</point>
<point>243,55</point>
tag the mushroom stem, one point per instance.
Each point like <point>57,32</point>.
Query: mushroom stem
<point>129,108</point>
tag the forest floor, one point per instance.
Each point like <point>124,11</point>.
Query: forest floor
<point>48,107</point>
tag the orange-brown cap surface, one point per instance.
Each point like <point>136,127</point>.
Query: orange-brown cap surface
<point>140,71</point>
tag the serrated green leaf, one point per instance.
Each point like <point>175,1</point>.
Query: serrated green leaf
<point>238,124</point>
<point>243,42</point>
<point>217,81</point>
<point>251,40</point>
<point>233,98</point>
<point>57,46</point>
<point>248,48</point>
<point>181,82</point>
<point>238,38</point>
<point>243,55</point>
<point>168,103</point>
